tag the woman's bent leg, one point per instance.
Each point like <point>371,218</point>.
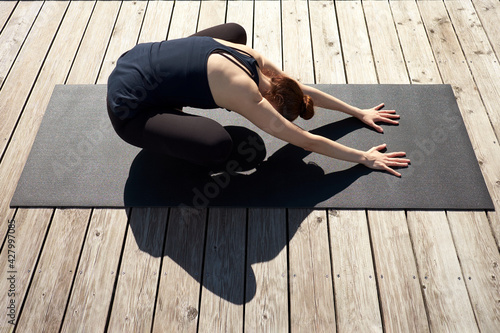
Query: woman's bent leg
<point>196,139</point>
<point>231,32</point>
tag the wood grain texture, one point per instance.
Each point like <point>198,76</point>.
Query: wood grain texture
<point>479,55</point>
<point>13,99</point>
<point>406,313</point>
<point>311,287</point>
<point>27,230</point>
<point>177,305</point>
<point>327,49</point>
<point>14,91</point>
<point>266,293</point>
<point>398,280</point>
<point>50,288</point>
<point>15,31</point>
<point>479,259</point>
<point>443,285</point>
<point>489,14</point>
<point>356,300</point>
<point>156,21</point>
<point>134,300</point>
<point>124,36</point>
<point>297,49</point>
<point>184,19</point>
<point>97,271</point>
<point>6,8</point>
<point>222,297</point>
<point>94,44</point>
<point>266,308</point>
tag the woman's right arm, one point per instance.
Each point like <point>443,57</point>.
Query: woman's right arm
<point>264,116</point>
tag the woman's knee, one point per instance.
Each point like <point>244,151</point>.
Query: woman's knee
<point>217,150</point>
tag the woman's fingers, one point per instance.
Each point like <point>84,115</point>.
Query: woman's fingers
<point>392,171</point>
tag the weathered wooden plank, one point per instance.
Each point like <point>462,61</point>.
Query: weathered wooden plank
<point>479,55</point>
<point>124,37</point>
<point>446,297</point>
<point>94,44</point>
<point>297,49</point>
<point>14,91</point>
<point>93,286</point>
<point>455,70</point>
<point>177,305</point>
<point>49,293</point>
<point>212,12</point>
<point>267,37</point>
<point>134,301</point>
<point>355,285</point>
<point>311,287</point>
<point>6,8</point>
<point>222,297</point>
<point>328,61</point>
<point>15,31</point>
<point>266,295</point>
<point>479,259</point>
<point>400,297</point>
<point>355,43</point>
<point>241,12</point>
<point>156,21</point>
<point>184,19</point>
<point>13,98</point>
<point>46,301</point>
<point>406,12</point>
<point>389,61</point>
<point>353,272</point>
<point>489,13</point>
<point>18,260</point>
<point>311,304</point>
<point>413,39</point>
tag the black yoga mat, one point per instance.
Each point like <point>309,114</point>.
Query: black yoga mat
<point>77,160</point>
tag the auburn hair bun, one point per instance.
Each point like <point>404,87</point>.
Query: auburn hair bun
<point>308,108</point>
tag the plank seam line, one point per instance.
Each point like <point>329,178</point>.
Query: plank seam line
<point>22,44</point>
<point>332,273</point>
<point>80,44</point>
<point>472,76</point>
<point>160,268</point>
<point>115,284</point>
<point>109,41</point>
<point>202,273</point>
<point>245,272</point>
<point>376,271</point>
<point>35,267</point>
<point>420,284</point>
<point>76,269</point>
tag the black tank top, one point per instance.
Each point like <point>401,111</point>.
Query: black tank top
<point>169,74</point>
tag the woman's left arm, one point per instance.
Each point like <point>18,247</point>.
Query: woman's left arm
<point>368,116</point>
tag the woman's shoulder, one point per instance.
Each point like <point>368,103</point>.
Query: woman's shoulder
<point>255,54</point>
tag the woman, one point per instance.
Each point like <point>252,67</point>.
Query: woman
<point>213,68</point>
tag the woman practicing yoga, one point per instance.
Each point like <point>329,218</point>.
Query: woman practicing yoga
<point>213,68</point>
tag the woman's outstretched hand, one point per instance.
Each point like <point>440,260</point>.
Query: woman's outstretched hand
<point>374,115</point>
<point>385,161</point>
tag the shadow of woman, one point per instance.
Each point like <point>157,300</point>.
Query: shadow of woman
<point>283,180</point>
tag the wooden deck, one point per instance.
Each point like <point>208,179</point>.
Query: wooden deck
<point>257,270</point>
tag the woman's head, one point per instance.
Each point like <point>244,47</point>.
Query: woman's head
<point>287,97</point>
